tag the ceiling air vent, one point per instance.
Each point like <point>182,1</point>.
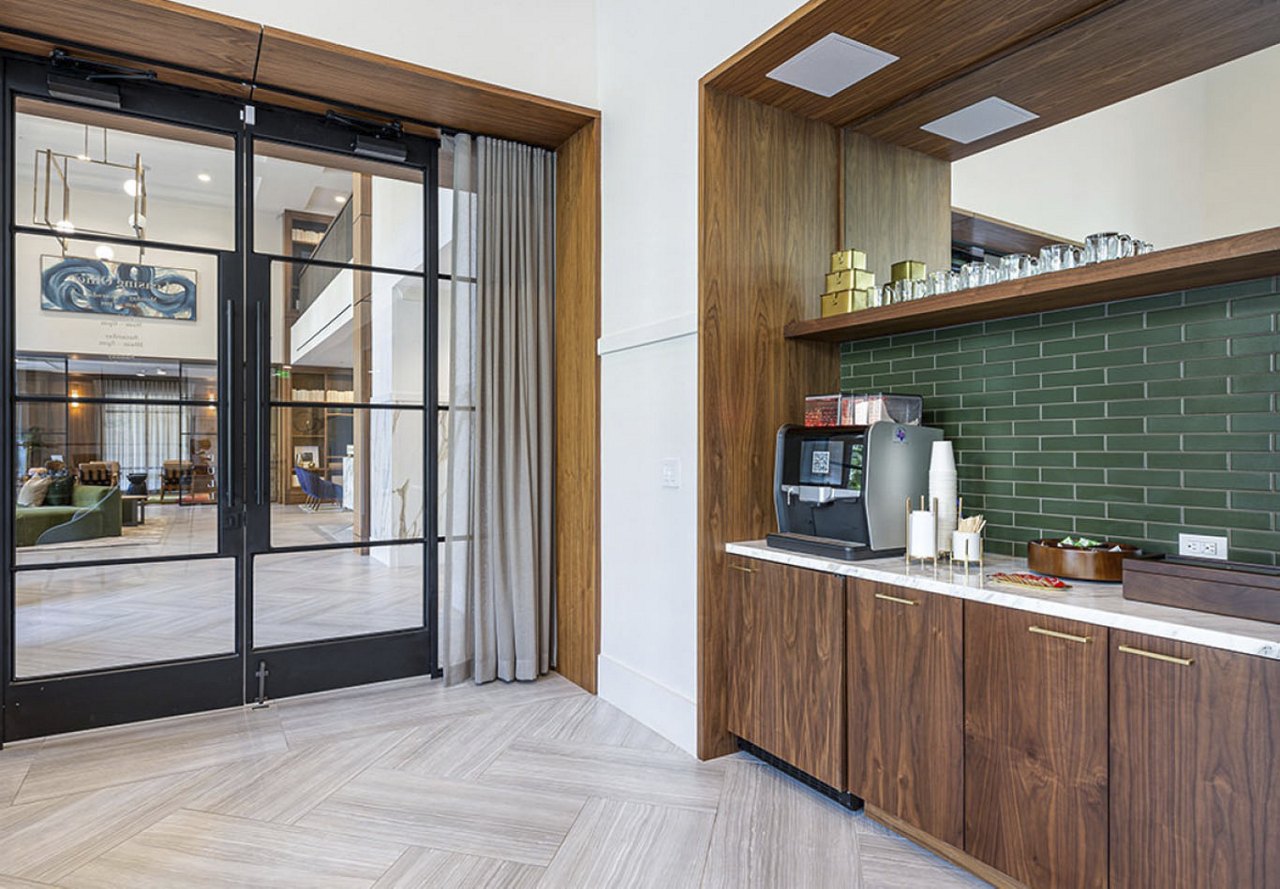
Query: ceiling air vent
<point>831,65</point>
<point>979,120</point>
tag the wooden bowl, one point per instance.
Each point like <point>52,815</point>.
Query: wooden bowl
<point>1046,557</point>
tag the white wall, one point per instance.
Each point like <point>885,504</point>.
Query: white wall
<point>651,56</point>
<point>1191,161</point>
<point>547,47</point>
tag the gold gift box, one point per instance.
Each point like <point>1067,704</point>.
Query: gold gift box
<point>908,270</point>
<point>844,301</point>
<point>850,279</point>
<point>844,260</point>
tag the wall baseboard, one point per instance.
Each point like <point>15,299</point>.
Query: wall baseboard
<point>662,709</point>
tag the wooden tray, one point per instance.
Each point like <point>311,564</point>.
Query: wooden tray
<point>1046,557</point>
<point>1231,588</point>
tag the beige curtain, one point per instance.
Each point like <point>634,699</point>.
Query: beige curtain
<point>500,625</point>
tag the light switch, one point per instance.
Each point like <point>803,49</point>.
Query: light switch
<point>671,473</point>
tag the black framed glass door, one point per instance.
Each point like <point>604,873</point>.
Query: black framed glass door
<point>123,278</point>
<point>220,338</point>
<point>341,524</point>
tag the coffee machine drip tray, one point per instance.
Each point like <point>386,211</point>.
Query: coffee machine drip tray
<point>827,547</point>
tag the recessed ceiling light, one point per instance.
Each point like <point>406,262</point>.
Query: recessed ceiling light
<point>831,65</point>
<point>204,177</point>
<point>979,120</point>
<point>131,187</point>
<point>65,226</point>
<point>137,220</point>
<point>102,251</point>
<point>340,198</point>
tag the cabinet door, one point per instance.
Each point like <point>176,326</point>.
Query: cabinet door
<point>1036,746</point>
<point>906,705</point>
<point>1195,765</point>
<point>787,688</point>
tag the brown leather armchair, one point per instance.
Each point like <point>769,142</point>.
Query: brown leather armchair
<point>99,472</point>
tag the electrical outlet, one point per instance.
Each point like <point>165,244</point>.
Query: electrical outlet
<point>1202,546</point>
<point>671,473</point>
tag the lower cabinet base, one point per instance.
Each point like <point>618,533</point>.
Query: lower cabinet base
<point>958,857</point>
<point>843,797</point>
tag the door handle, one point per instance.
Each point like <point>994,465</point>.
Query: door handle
<point>224,408</point>
<point>885,597</point>
<point>1069,637</point>
<point>743,568</point>
<point>263,420</point>
<point>1156,656</point>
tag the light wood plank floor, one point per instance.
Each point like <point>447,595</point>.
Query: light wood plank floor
<point>409,784</point>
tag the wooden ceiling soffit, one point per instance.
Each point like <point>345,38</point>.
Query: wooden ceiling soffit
<point>41,48</point>
<point>934,41</point>
<point>182,44</point>
<point>1123,51</point>
<point>292,64</point>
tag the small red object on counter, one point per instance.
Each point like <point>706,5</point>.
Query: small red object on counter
<point>1033,581</point>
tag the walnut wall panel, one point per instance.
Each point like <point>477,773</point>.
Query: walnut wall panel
<point>767,212</point>
<point>897,205</point>
<point>577,474</point>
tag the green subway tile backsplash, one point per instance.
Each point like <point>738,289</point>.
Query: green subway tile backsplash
<point>1136,419</point>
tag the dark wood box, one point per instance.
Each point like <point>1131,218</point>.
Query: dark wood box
<point>1230,588</point>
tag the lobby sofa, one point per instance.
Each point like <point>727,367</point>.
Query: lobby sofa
<point>94,511</point>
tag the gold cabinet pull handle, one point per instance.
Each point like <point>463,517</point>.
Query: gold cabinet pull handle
<point>887,598</point>
<point>1156,656</point>
<point>743,568</point>
<point>1070,637</point>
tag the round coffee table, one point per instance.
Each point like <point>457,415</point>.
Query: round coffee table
<point>137,484</point>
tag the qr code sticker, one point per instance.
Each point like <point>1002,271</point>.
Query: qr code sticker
<point>821,462</point>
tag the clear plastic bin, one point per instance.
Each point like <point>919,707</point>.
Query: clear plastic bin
<point>865,409</point>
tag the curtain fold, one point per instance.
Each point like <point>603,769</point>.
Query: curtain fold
<point>141,437</point>
<point>500,583</point>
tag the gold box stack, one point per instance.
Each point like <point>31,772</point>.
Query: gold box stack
<point>844,260</point>
<point>848,284</point>
<point>908,270</point>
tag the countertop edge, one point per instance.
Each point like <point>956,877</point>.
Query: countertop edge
<point>972,590</point>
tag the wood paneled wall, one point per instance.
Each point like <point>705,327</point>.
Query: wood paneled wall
<point>577,475</point>
<point>897,205</point>
<point>768,195</point>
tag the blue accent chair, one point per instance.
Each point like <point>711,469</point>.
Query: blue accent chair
<point>318,491</point>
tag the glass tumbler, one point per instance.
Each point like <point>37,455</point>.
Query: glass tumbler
<point>972,274</point>
<point>1016,265</point>
<point>1102,246</point>
<point>940,282</point>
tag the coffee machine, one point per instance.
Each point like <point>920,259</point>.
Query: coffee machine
<point>841,491</point>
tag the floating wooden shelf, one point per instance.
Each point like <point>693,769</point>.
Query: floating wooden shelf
<point>1237,258</point>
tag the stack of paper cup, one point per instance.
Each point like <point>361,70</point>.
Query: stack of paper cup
<point>942,488</point>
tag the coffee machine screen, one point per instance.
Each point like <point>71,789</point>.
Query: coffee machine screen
<point>832,463</point>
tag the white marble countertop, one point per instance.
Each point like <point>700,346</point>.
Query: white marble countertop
<point>1096,603</point>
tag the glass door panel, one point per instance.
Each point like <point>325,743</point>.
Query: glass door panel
<point>89,171</point>
<point>307,596</point>
<point>74,620</point>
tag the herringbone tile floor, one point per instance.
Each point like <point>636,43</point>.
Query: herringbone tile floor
<point>410,784</point>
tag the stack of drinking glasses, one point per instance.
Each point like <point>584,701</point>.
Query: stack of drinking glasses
<point>1113,245</point>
